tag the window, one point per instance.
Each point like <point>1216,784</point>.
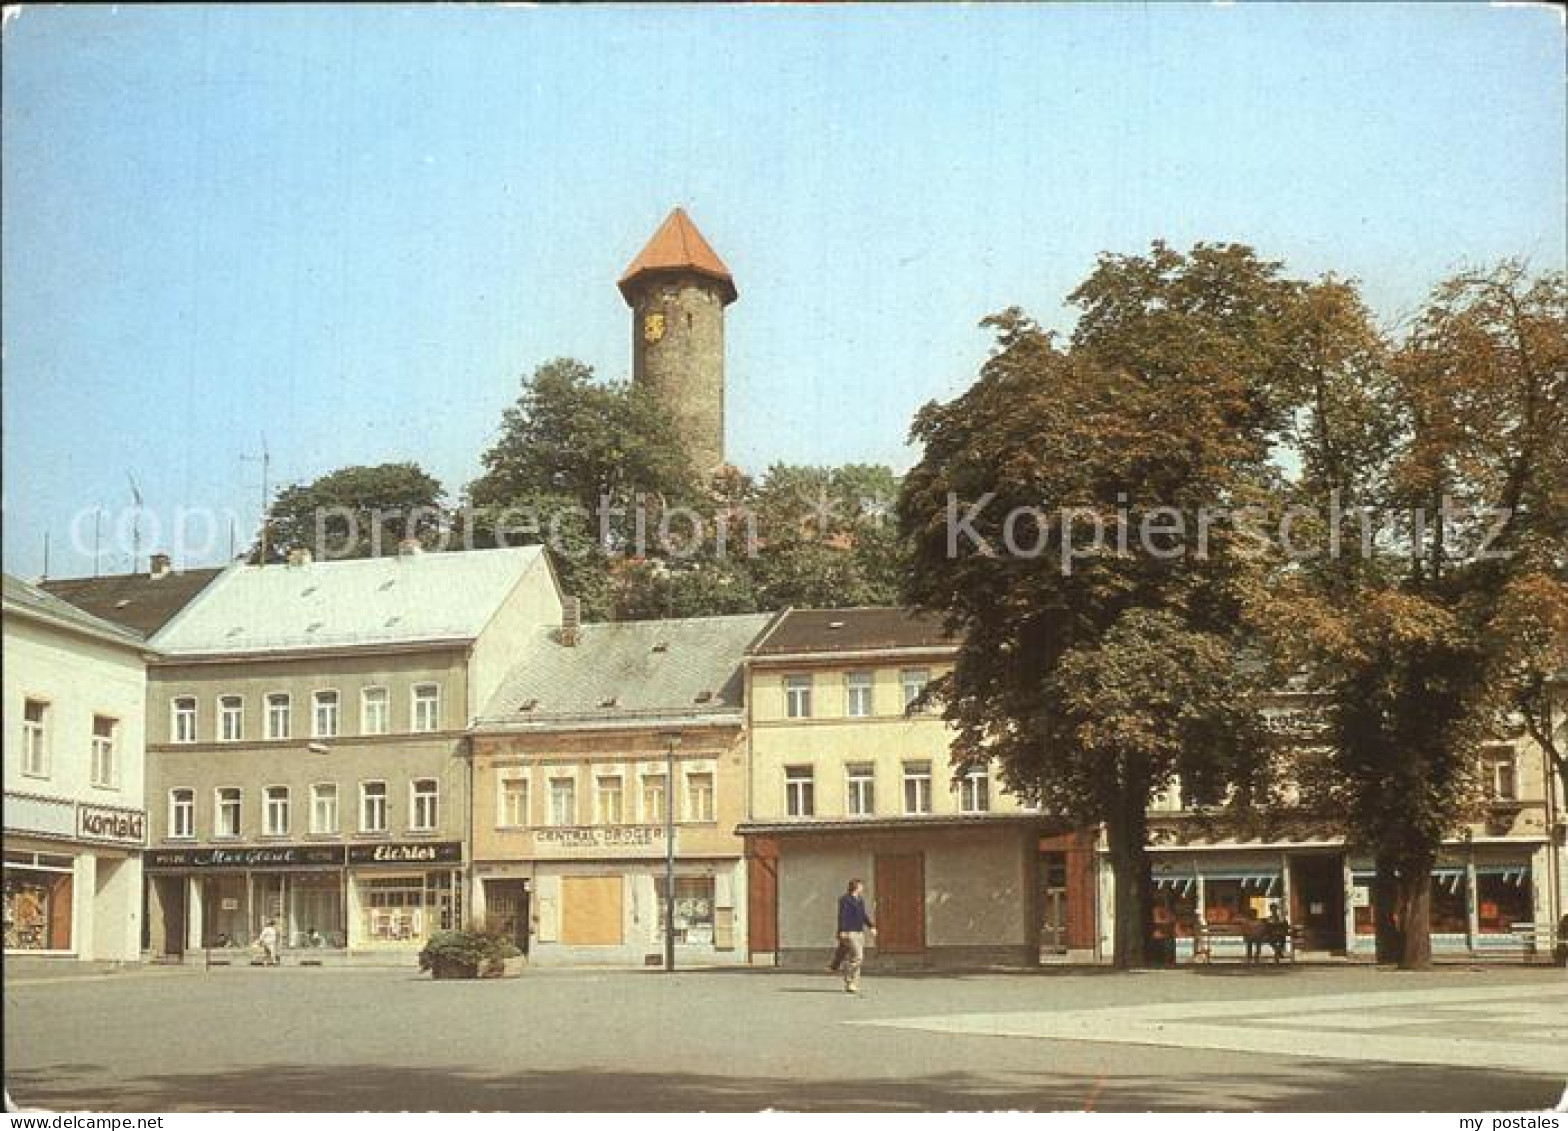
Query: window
<point>693,909</point>
<point>653,799</point>
<point>105,769</point>
<point>279,715</point>
<point>427,707</point>
<point>227,818</point>
<point>373,807</point>
<point>324,808</point>
<point>1502,777</point>
<point>184,727</point>
<point>917,787</point>
<point>563,801</point>
<point>373,704</point>
<point>914,681</point>
<point>324,721</point>
<point>607,800</point>
<point>276,811</point>
<point>862,798</point>
<point>857,695</point>
<point>974,791</point>
<point>514,802</point>
<point>35,738</point>
<point>182,814</point>
<point>797,696</point>
<point>800,791</point>
<point>699,797</point>
<point>231,718</point>
<point>425,799</point>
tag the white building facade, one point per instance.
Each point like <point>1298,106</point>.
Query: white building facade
<point>75,821</point>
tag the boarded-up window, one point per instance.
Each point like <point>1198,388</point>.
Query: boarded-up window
<point>591,910</point>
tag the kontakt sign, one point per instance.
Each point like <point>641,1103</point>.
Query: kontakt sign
<point>112,826</point>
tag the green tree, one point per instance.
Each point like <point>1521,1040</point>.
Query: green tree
<point>353,512</point>
<point>1165,398</point>
<point>1426,634</point>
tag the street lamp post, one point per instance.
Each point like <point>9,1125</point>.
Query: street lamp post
<point>672,739</point>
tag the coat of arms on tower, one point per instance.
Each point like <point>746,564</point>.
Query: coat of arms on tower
<point>653,327</point>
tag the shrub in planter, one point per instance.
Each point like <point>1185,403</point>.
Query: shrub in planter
<point>466,954</point>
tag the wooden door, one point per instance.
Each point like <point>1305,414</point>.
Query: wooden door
<point>591,910</point>
<point>762,898</point>
<point>901,903</point>
<point>506,910</point>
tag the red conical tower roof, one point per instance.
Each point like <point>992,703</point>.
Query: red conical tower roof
<point>678,246</point>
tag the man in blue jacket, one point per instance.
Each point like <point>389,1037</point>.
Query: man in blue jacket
<point>853,923</point>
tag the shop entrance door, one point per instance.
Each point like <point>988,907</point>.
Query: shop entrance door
<point>506,908</point>
<point>901,903</point>
<point>1317,901</point>
<point>171,898</point>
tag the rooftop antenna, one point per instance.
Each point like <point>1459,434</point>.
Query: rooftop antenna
<point>46,555</point>
<point>265,459</point>
<point>97,538</point>
<point>136,524</point>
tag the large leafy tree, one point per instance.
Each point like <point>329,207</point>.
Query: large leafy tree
<point>1165,397</point>
<point>353,512</point>
<point>1427,626</point>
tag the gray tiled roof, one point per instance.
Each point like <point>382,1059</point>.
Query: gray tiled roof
<point>138,601</point>
<point>649,668</point>
<point>802,631</point>
<point>24,599</point>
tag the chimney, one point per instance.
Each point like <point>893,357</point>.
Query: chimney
<point>408,547</point>
<point>161,566</point>
<point>299,556</point>
<point>571,620</point>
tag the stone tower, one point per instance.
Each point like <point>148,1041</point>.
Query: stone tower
<point>678,288</point>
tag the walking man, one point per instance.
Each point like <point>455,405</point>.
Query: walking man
<point>853,923</point>
<point>269,943</point>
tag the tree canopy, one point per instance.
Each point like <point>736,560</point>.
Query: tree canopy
<point>353,512</point>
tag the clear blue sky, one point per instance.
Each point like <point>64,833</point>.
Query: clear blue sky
<point>354,229</point>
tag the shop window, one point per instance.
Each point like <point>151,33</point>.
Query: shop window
<point>374,710</point>
<point>1175,911</point>
<point>315,911</point>
<point>227,821</point>
<point>394,909</point>
<point>276,811</point>
<point>860,786</point>
<point>373,807</point>
<point>914,681</point>
<point>324,808</point>
<point>279,715</point>
<point>563,801</point>
<point>858,691</point>
<point>37,901</point>
<point>800,791</point>
<point>699,797</point>
<point>231,718</point>
<point>608,808</point>
<point>797,696</point>
<point>182,814</point>
<point>184,718</point>
<point>425,795</point>
<point>1503,899</point>
<point>513,805</point>
<point>35,738</point>
<point>324,718</point>
<point>653,799</point>
<point>427,707</point>
<point>1450,913</point>
<point>917,787</point>
<point>1232,900</point>
<point>105,764</point>
<point>974,791</point>
<point>693,909</point>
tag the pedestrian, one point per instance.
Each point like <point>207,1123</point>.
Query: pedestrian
<point>1278,928</point>
<point>269,943</point>
<point>853,923</point>
<point>1253,930</point>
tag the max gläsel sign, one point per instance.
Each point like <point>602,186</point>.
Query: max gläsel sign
<point>417,852</point>
<point>274,856</point>
<point>117,826</point>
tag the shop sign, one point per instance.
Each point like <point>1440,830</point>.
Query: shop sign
<point>418,852</point>
<point>600,836</point>
<point>117,826</point>
<point>275,856</point>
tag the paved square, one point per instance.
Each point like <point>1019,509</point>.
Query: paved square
<point>1225,1038</point>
